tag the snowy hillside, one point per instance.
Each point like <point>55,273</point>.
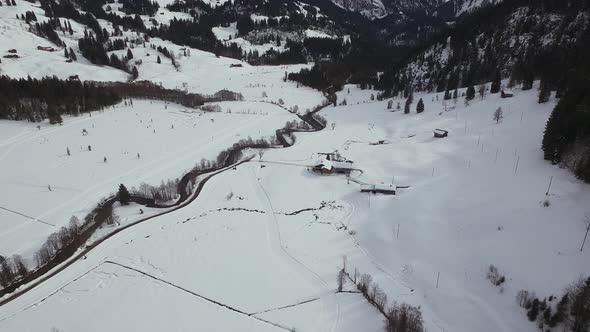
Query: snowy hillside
<point>339,209</point>
<point>473,200</point>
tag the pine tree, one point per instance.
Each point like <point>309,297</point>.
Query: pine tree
<point>544,92</point>
<point>456,93</point>
<point>420,106</point>
<point>533,311</point>
<point>580,309</point>
<point>66,53</point>
<point>159,60</point>
<point>407,106</point>
<point>129,54</point>
<point>73,55</point>
<point>123,195</point>
<point>447,95</point>
<point>134,73</point>
<point>560,311</point>
<point>470,93</point>
<point>496,83</point>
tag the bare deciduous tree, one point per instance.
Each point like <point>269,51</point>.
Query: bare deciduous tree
<point>498,115</point>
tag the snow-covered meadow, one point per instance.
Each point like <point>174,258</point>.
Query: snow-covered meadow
<point>260,248</point>
<point>244,244</point>
<point>147,142</point>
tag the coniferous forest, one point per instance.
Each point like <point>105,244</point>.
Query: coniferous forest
<point>49,98</point>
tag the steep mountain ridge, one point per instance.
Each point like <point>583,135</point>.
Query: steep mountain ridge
<point>445,9</point>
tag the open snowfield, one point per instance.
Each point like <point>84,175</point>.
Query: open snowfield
<point>14,34</point>
<point>243,244</point>
<point>260,248</point>
<point>170,139</point>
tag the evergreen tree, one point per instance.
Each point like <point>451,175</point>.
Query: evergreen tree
<point>159,60</point>
<point>66,53</point>
<point>407,106</point>
<point>129,54</point>
<point>496,83</point>
<point>580,309</point>
<point>544,92</point>
<point>420,106</point>
<point>447,95</point>
<point>470,93</point>
<point>123,195</point>
<point>73,55</point>
<point>560,311</point>
<point>456,93</point>
<point>534,310</point>
<point>134,73</point>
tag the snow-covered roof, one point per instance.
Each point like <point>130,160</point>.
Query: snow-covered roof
<point>440,131</point>
<point>384,186</point>
<point>342,165</point>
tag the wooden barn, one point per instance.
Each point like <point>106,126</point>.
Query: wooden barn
<point>385,189</point>
<point>440,133</point>
<point>46,48</point>
<point>506,93</point>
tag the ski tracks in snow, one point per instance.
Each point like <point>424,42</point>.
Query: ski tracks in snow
<point>276,246</point>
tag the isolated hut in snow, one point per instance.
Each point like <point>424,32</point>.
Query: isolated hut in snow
<point>440,133</point>
<point>386,189</point>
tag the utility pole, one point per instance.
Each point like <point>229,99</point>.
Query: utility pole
<point>585,236</point>
<point>548,188</point>
<point>437,277</point>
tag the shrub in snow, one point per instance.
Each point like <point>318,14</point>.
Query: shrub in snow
<point>211,108</point>
<point>494,276</point>
<point>403,318</point>
<point>524,298</point>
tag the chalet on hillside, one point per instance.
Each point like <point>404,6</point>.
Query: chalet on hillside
<point>12,50</point>
<point>327,167</point>
<point>441,133</point>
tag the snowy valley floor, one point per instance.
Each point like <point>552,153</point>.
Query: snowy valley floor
<point>239,258</point>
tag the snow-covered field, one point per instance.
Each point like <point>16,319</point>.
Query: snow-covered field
<point>464,210</point>
<point>260,248</point>
<point>148,142</point>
